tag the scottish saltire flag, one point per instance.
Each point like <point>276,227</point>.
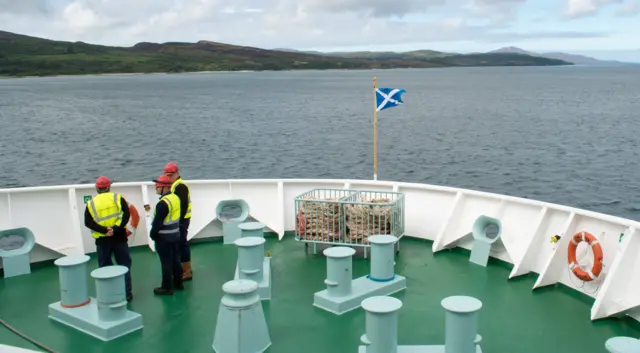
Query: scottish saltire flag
<point>388,98</point>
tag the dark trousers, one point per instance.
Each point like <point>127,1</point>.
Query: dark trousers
<point>185,251</point>
<point>170,262</point>
<point>120,251</point>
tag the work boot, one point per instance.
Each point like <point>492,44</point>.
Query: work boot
<point>187,275</point>
<point>163,291</point>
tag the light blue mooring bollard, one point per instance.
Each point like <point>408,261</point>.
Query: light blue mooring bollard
<point>339,271</point>
<point>253,265</point>
<point>381,280</point>
<point>250,258</point>
<point>622,345</point>
<point>110,292</point>
<point>106,317</point>
<point>382,257</point>
<point>241,326</point>
<point>381,324</point>
<point>252,229</point>
<point>461,324</point>
<point>74,286</point>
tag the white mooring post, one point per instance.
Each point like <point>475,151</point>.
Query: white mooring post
<point>339,267</point>
<point>253,265</point>
<point>381,324</point>
<point>241,326</point>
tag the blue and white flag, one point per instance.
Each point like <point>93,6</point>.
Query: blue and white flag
<point>388,98</point>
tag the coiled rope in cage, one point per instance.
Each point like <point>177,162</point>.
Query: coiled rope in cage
<point>320,219</point>
<point>365,220</point>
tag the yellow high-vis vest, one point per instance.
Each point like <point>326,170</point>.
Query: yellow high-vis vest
<point>106,210</point>
<point>171,224</point>
<point>173,190</point>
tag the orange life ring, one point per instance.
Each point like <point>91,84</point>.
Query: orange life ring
<point>135,219</point>
<point>597,256</point>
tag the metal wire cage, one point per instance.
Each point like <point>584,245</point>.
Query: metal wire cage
<point>370,213</point>
<point>320,215</point>
<point>348,217</point>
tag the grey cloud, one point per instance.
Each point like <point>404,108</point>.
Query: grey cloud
<point>376,8</point>
<point>630,8</point>
<point>390,33</point>
<point>274,23</point>
<point>497,11</point>
<point>500,37</point>
<point>399,8</point>
<point>495,2</point>
<point>585,8</point>
<point>498,2</point>
<point>26,7</point>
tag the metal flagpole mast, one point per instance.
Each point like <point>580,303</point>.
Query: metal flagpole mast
<point>375,132</point>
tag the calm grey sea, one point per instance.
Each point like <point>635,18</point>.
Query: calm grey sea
<point>568,135</point>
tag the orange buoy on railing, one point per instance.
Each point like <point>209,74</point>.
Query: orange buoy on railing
<point>597,256</point>
<point>133,222</point>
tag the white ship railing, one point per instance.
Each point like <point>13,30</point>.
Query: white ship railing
<point>443,215</point>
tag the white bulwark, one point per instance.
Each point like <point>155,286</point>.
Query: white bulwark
<point>443,215</point>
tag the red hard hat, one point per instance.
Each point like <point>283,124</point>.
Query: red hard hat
<point>171,167</point>
<point>163,180</point>
<point>103,182</point>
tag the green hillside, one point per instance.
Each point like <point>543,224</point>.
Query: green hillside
<point>22,55</point>
<point>409,55</point>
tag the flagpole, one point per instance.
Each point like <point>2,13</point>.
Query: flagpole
<point>375,132</point>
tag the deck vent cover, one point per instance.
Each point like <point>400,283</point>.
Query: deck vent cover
<point>15,246</point>
<point>232,213</point>
<point>486,231</point>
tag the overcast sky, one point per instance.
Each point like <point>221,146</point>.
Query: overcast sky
<point>605,28</point>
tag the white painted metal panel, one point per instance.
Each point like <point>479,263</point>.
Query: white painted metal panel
<point>442,214</point>
<point>426,211</point>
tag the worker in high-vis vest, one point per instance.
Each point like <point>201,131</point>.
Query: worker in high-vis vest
<point>179,188</point>
<point>165,232</point>
<point>107,215</point>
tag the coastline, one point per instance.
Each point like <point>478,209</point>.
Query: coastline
<point>249,71</point>
<point>212,72</point>
<point>126,74</point>
<point>27,57</point>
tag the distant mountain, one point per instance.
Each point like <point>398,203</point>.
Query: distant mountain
<point>584,60</point>
<point>22,55</point>
<point>424,54</point>
<point>514,50</point>
<point>506,57</point>
<point>572,58</point>
<point>298,51</point>
<point>416,54</point>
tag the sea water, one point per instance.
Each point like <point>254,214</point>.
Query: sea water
<point>567,135</point>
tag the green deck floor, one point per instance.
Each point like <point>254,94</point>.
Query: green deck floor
<point>513,319</point>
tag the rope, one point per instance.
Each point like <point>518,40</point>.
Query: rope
<point>10,328</point>
<point>132,238</point>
